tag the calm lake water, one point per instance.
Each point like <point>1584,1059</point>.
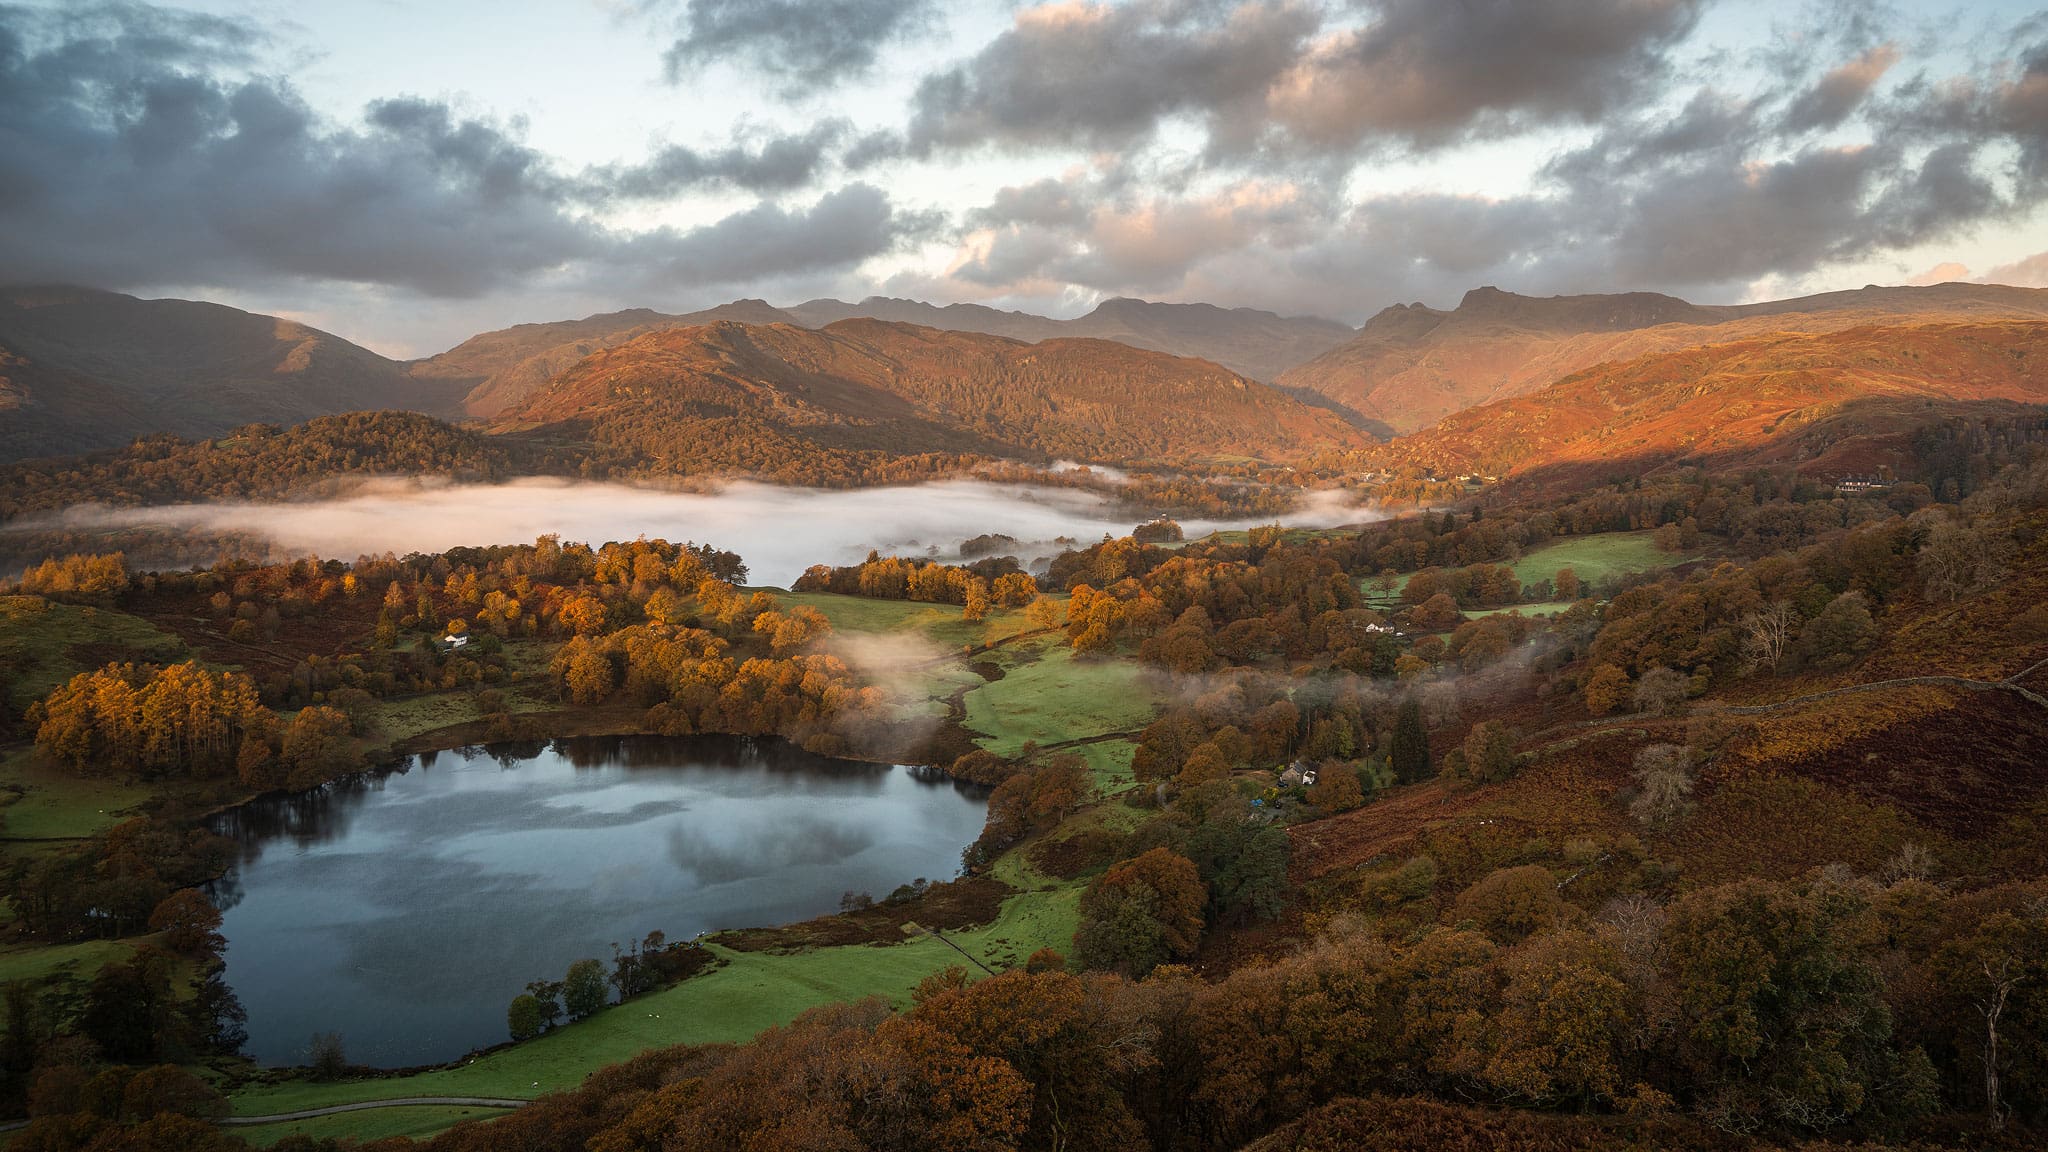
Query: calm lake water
<point>404,910</point>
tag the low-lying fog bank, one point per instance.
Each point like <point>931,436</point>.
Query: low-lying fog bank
<point>779,531</point>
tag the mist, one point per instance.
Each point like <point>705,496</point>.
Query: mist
<point>779,531</point>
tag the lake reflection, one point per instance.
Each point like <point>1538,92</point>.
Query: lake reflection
<point>405,910</point>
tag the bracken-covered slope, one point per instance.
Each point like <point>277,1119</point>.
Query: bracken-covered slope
<point>1841,402</point>
<point>829,405</point>
<point>498,369</point>
<point>505,367</point>
<point>1411,366</point>
<point>82,369</point>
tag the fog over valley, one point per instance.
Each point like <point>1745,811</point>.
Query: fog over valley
<point>779,531</point>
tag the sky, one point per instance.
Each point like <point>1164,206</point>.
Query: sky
<point>406,174</point>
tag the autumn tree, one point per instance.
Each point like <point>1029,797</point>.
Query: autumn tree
<point>1490,752</point>
<point>1141,913</point>
<point>1566,1021</point>
<point>1606,689</point>
<point>190,924</point>
<point>1336,788</point>
<point>978,603</point>
<point>1786,1019</point>
<point>583,671</point>
<point>1566,583</point>
<point>317,747</point>
<point>179,720</point>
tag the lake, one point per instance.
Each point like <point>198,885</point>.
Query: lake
<point>405,909</point>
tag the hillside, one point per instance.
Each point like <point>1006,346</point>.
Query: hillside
<point>1411,365</point>
<point>82,369</point>
<point>1251,343</point>
<point>1837,402</point>
<point>834,404</point>
<point>498,369</point>
<point>504,367</point>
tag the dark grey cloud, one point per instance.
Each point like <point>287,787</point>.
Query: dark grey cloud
<point>1105,76</point>
<point>1297,77</point>
<point>780,163</point>
<point>124,158</point>
<point>1429,71</point>
<point>841,229</point>
<point>138,148</point>
<point>807,46</point>
<point>1840,91</point>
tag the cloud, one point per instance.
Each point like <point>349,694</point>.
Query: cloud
<point>1292,77</point>
<point>1838,93</point>
<point>136,151</point>
<point>127,159</point>
<point>807,46</point>
<point>1101,75</point>
<point>1427,72</point>
<point>1701,194</point>
<point>2031,272</point>
<point>1947,272</point>
<point>841,229</point>
<point>778,163</point>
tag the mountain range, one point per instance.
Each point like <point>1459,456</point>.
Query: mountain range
<point>1832,403</point>
<point>1412,365</point>
<point>831,392</point>
<point>824,405</point>
<point>504,367</point>
<point>82,369</point>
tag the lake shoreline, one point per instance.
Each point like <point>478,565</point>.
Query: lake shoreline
<point>704,835</point>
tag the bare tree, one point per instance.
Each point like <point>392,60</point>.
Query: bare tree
<point>1664,784</point>
<point>1660,689</point>
<point>1767,633</point>
<point>2002,973</point>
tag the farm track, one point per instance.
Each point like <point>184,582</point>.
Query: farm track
<point>367,1105</point>
<point>338,1109</point>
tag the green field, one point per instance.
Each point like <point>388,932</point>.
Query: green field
<point>1109,765</point>
<point>1546,608</point>
<point>44,643</point>
<point>82,959</point>
<point>1059,697</point>
<point>1596,558</point>
<point>939,623</point>
<point>753,991</point>
<point>1592,558</point>
<point>40,803</point>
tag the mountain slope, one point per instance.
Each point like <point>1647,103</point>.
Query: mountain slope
<point>82,369</point>
<point>504,367</point>
<point>839,404</point>
<point>499,369</point>
<point>1833,402</point>
<point>1411,366</point>
<point>1251,343</point>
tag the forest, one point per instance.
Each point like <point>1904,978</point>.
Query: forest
<point>1443,829</point>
